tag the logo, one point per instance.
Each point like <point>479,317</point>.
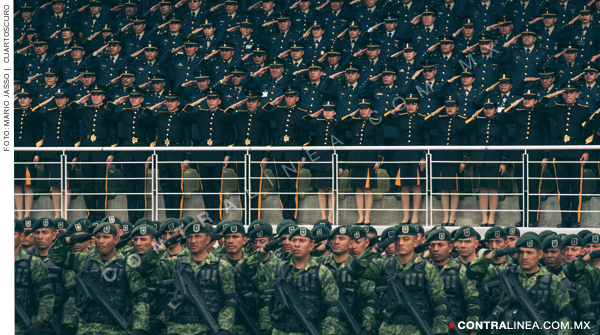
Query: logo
<point>595,238</point>
<point>196,228</point>
<point>106,229</point>
<point>78,227</point>
<point>234,229</point>
<point>302,231</point>
<point>574,241</point>
<point>405,229</point>
<point>497,234</point>
<point>356,234</point>
<point>111,219</point>
<point>442,236</point>
<point>467,232</point>
<point>554,243</point>
<point>259,233</point>
<point>319,231</point>
<point>343,230</point>
<point>61,225</point>
<point>45,222</point>
<point>290,229</point>
<point>530,244</point>
<point>256,225</point>
<point>511,231</point>
<point>171,226</point>
<point>143,230</point>
<point>390,233</point>
<point>28,224</point>
<point>126,228</point>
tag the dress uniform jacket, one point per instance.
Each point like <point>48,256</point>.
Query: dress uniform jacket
<point>346,96</point>
<point>481,16</point>
<point>181,70</point>
<point>292,66</point>
<point>521,16</point>
<point>487,69</point>
<point>143,68</point>
<point>450,128</point>
<point>335,23</point>
<point>564,70</point>
<point>171,132</point>
<point>348,49</point>
<point>231,94</point>
<point>32,65</point>
<point>503,100</point>
<point>405,70</point>
<point>418,35</point>
<point>78,91</point>
<point>430,100</point>
<point>311,97</point>
<point>87,24</point>
<point>219,67</point>
<point>406,12</point>
<point>27,134</point>
<point>465,102</point>
<point>21,26</point>
<point>243,44</point>
<point>551,41</point>
<point>133,43</point>
<point>521,65</point>
<point>169,42</point>
<point>260,17</point>
<point>224,21</point>
<point>50,23</point>
<point>412,130</point>
<point>446,18</point>
<point>586,39</point>
<point>251,131</point>
<point>289,134</point>
<point>98,130</point>
<point>270,88</point>
<point>314,50</point>
<point>57,45</point>
<point>489,132</point>
<point>68,68</point>
<point>369,17</point>
<point>369,67</point>
<point>590,96</point>
<point>62,131</point>
<point>383,99</point>
<point>447,66</point>
<point>532,129</point>
<point>107,70</point>
<point>565,16</point>
<point>301,21</point>
<point>389,45</point>
<point>135,132</point>
<point>278,42</point>
<point>45,92</point>
<point>364,132</point>
<point>327,134</point>
<point>152,98</point>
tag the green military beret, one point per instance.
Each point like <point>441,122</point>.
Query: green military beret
<point>388,233</point>
<point>286,230</point>
<point>222,225</point>
<point>126,226</point>
<point>551,242</point>
<point>111,219</point>
<point>341,230</point>
<point>572,240</point>
<point>155,224</point>
<point>370,229</point>
<point>141,222</point>
<point>198,227</point>
<point>261,231</point>
<point>28,222</point>
<point>143,230</point>
<point>545,233</point>
<point>320,229</point>
<point>284,223</point>
<point>186,220</point>
<point>105,228</point>
<point>495,232</point>
<point>512,231</point>
<point>592,238</point>
<point>531,233</point>
<point>60,223</point>
<point>234,228</point>
<point>301,231</point>
<point>171,224</point>
<point>264,226</point>
<point>81,225</point>
<point>420,229</point>
<point>440,234</point>
<point>407,229</point>
<point>43,223</point>
<point>528,241</point>
<point>357,232</point>
<point>19,226</point>
<point>189,218</point>
<point>324,222</point>
<point>584,233</point>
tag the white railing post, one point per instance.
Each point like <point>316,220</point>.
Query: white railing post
<point>154,184</point>
<point>525,191</point>
<point>429,190</point>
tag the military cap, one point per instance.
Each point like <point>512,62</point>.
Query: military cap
<point>231,2</point>
<point>19,226</point>
<point>572,240</point>
<point>114,40</point>
<point>60,93</point>
<point>412,97</point>
<point>528,30</point>
<point>95,3</point>
<point>136,19</point>
<point>105,228</point>
<point>570,86</point>
<point>546,72</point>
<point>174,18</point>
<point>252,95</point>
<point>388,69</point>
<point>234,228</point>
<point>512,231</point>
<point>549,12</point>
<point>208,23</point>
<point>466,232</point>
<point>131,3</point>
<point>57,1</point>
<point>38,40</point>
<point>151,45</point>
<point>388,232</point>
<point>390,17</point>
<point>24,92</point>
<point>428,10</point>
<point>157,77</point>
<point>529,95</point>
<point>354,25</point>
<point>341,230</point>
<point>357,232</point>
<point>76,45</point>
<point>213,93</point>
<point>591,67</point>
<point>446,39</point>
<point>495,232</point>
<point>155,224</point>
<point>329,105</point>
<point>127,72</point>
<point>551,242</point>
<point>318,24</point>
<point>143,230</point>
<point>570,47</point>
<point>222,225</point>
<point>468,22</point>
<point>364,103</point>
<point>258,49</point>
<point>201,75</point>
<point>43,223</point>
<point>26,7</point>
<point>370,229</point>
<point>126,226</point>
<point>302,232</point>
<point>60,223</point>
<point>135,91</point>
<point>87,72</point>
<point>284,223</point>
<point>467,73</point>
<point>352,67</point>
<point>171,224</point>
<point>505,19</point>
<point>490,103</point>
<point>142,221</point>
<point>276,62</point>
<point>593,238</point>
<point>172,95</point>
<point>256,224</point>
<point>406,229</point>
<point>197,227</point>
<point>320,229</point>
<point>107,28</point>
<point>440,234</point>
<point>584,232</point>
<point>226,45</point>
<point>314,65</point>
<point>237,70</point>
<point>528,241</point>
<point>286,229</point>
<point>262,231</point>
<point>247,23</point>
<point>485,38</point>
<point>165,2</point>
<point>291,90</point>
<point>373,44</point>
<point>190,42</point>
<point>98,89</point>
<point>112,219</point>
<point>325,222</point>
<point>428,65</point>
<point>408,47</point>
<point>51,72</point>
<point>66,27</point>
<point>505,78</point>
<point>282,17</point>
<point>93,226</point>
<point>545,233</point>
<point>451,100</point>
<point>585,10</point>
<point>81,225</point>
<point>30,30</point>
<point>333,51</point>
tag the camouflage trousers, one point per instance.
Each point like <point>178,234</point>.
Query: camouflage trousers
<point>387,329</point>
<point>99,329</point>
<point>188,329</point>
<point>20,330</point>
<point>240,330</point>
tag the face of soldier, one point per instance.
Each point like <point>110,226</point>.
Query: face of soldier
<point>237,79</point>
<point>365,112</point>
<point>333,60</point>
<point>268,6</point>
<point>570,253</point>
<point>167,234</point>
<point>150,54</point>
<point>570,97</point>
<point>141,244</point>
<point>213,103</point>
<point>127,81</point>
<point>209,31</point>
<point>258,242</point>
<point>172,105</point>
<point>451,110</point>
<point>373,53</point>
<point>235,242</point>
<point>304,5</point>
<point>427,20</point>
<point>468,32</point>
<point>549,21</point>
<point>87,81</point>
<point>301,246</point>
<point>27,241</point>
<point>547,82</point>
<point>197,243</point>
<point>284,25</point>
<point>329,114</point>
<point>358,246</point>
<point>95,9</point>
<point>467,81</point>
<point>315,75</point>
<point>276,71</point>
<point>136,101</point>
<point>158,86</point>
<point>61,102</point>
<point>317,32</point>
<point>390,250</point>
<point>406,244</point>
<point>26,15</point>
<point>246,31</point>
<point>388,79</point>
<point>354,33</point>
<point>58,7</point>
<point>66,35</point>
<point>447,48</point>
<point>164,10</point>
<point>291,101</point>
<point>44,237</point>
<point>409,55</point>
<point>202,84</point>
<point>528,40</point>
<point>529,259</point>
<point>297,55</point>
<point>496,243</point>
<point>114,49</point>
<point>97,99</point>
<point>429,74</point>
<point>226,55</point>
<point>339,244</point>
<point>174,27</point>
<point>24,102</point>
<point>230,9</point>
<point>485,48</point>
<point>529,103</point>
<point>351,77</point>
<point>253,104</point>
<point>130,10</point>
<point>40,49</point>
<point>593,247</point>
<point>489,112</point>
<point>190,51</point>
<point>194,4</point>
<point>466,246</point>
<point>391,26</point>
<point>138,28</point>
<point>590,77</point>
<point>370,3</point>
<point>30,37</point>
<point>77,54</point>
<point>50,80</point>
<point>259,58</point>
<point>18,236</point>
<point>412,107</point>
<point>585,18</point>
<point>511,240</point>
<point>552,258</point>
<point>439,251</point>
<point>505,87</point>
<point>286,244</point>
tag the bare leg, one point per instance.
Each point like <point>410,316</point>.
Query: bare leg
<point>455,198</point>
<point>67,202</point>
<point>405,197</point>
<point>323,203</point>
<point>416,203</point>
<point>28,199</point>
<point>56,201</point>
<point>19,201</point>
<point>493,201</point>
<point>483,204</point>
<point>368,204</point>
<point>445,205</point>
<point>331,204</point>
<point>360,204</point>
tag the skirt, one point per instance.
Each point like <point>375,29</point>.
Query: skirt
<point>481,172</point>
<point>443,170</point>
<point>321,183</point>
<point>52,170</point>
<point>24,172</point>
<point>365,177</point>
<point>409,174</point>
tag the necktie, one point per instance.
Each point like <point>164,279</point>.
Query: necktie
<point>194,14</point>
<point>372,62</point>
<point>316,44</point>
<point>589,88</point>
<point>467,92</point>
<point>114,59</point>
<point>428,30</point>
<point>388,89</point>
<point>584,31</point>
<point>389,36</point>
<point>39,59</point>
<point>406,8</point>
<point>446,58</point>
<point>94,18</point>
<point>315,85</point>
<point>548,32</point>
<point>565,7</point>
<point>57,17</point>
<point>485,7</point>
<point>503,99</point>
<point>231,17</point>
<point>409,64</point>
<point>351,44</point>
<point>351,88</point>
<point>139,37</point>
<point>189,60</point>
<point>448,6</point>
<point>527,51</point>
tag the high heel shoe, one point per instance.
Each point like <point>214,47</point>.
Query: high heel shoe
<point>360,223</point>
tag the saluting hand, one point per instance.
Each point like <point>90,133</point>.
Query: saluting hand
<point>492,87</point>
<point>121,100</point>
<point>317,113</point>
<point>84,99</point>
<point>555,94</point>
<point>437,111</point>
<point>277,100</point>
<point>416,75</point>
<point>238,104</point>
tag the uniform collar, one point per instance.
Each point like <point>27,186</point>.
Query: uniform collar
<point>311,262</point>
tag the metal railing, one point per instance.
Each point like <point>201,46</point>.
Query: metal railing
<point>428,193</point>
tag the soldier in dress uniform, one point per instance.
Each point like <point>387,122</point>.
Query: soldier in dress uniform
<point>354,42</point>
<point>33,66</point>
<point>270,85</point>
<point>332,65</point>
<point>316,45</point>
<point>139,37</point>
<point>448,61</point>
<point>369,14</point>
<point>58,44</point>
<point>335,18</point>
<point>467,35</point>
<point>259,55</point>
<point>311,97</point>
<point>569,66</point>
<point>92,20</point>
<point>244,40</point>
<point>465,91</point>
<point>407,65</point>
<point>45,92</point>
<point>149,64</point>
<point>502,92</point>
<point>196,89</point>
<point>69,66</point>
<point>116,90</point>
<point>52,22</point>
<point>447,16</point>
<point>278,41</point>
<point>550,34</point>
<point>81,89</point>
<point>230,18</point>
<point>221,65</point>
<point>182,67</point>
<point>570,117</point>
<point>157,93</point>
<point>172,38</point>
<point>566,12</point>
<point>522,12</point>
<point>370,64</point>
<point>585,33</point>
<point>296,61</point>
<point>24,20</point>
<point>234,92</point>
<point>110,65</point>
<point>590,91</point>
<point>346,92</point>
<point>193,16</point>
<point>304,15</point>
<point>390,40</point>
<point>524,61</point>
<point>481,13</point>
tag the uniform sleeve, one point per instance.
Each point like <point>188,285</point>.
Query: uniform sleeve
<point>437,298</point>
<point>70,316</point>
<point>60,254</point>
<point>141,306</point>
<point>585,312</point>
<point>330,294</point>
<point>264,114</point>
<point>470,296</point>
<point>157,267</point>
<point>39,277</point>
<point>227,314</point>
<point>379,141</point>
<point>367,291</point>
<point>504,141</point>
<point>544,109</point>
<point>366,266</point>
<point>561,304</point>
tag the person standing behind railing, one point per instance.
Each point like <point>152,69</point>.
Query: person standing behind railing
<point>366,130</point>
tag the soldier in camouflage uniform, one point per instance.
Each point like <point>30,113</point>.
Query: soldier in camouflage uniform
<point>284,229</point>
<point>126,292</point>
<point>546,290</point>
<point>169,228</point>
<point>30,275</point>
<point>213,277</point>
<point>313,284</point>
<point>421,279</point>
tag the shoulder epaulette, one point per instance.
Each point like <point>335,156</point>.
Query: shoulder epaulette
<point>323,119</point>
<point>422,115</point>
<point>559,104</point>
<point>583,105</point>
<point>126,108</point>
<point>444,115</point>
<point>520,109</point>
<point>52,109</point>
<point>406,113</point>
<point>481,117</point>
<point>242,110</point>
<point>462,116</point>
<point>304,110</point>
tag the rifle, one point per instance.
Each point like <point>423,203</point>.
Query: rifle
<point>512,291</point>
<point>343,302</point>
<point>286,300</point>
<point>186,290</point>
<point>247,319</point>
<point>89,291</point>
<point>403,299</point>
<point>22,317</point>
